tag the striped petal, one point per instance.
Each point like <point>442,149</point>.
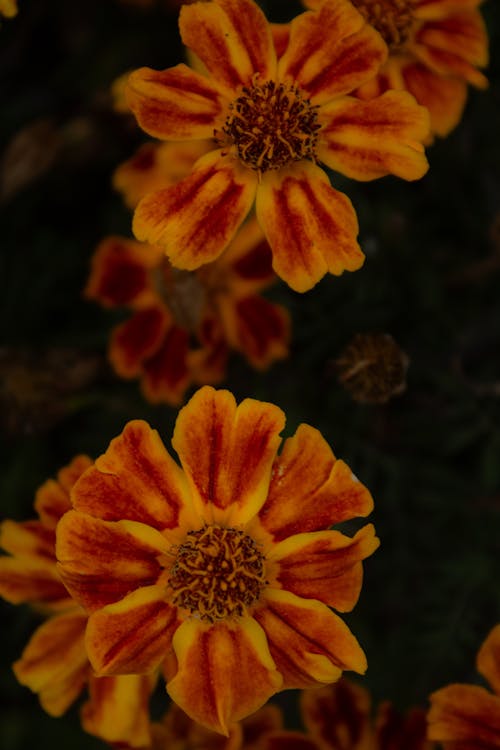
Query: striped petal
<point>308,642</point>
<point>248,259</point>
<point>310,490</point>
<point>175,104</point>
<point>102,561</point>
<point>197,218</point>
<point>394,729</point>
<point>132,636</point>
<point>138,338</point>
<point>166,375</point>
<point>325,65</point>
<point>136,479</point>
<point>227,452</point>
<point>369,139</point>
<point>428,10</point>
<point>27,581</point>
<point>52,498</point>
<point>444,97</point>
<point>29,540</point>
<point>232,38</point>
<point>118,709</point>
<point>54,664</point>
<point>257,328</point>
<point>310,226</point>
<point>340,715</point>
<point>325,565</point>
<point>465,714</point>
<point>219,655</point>
<point>488,659</point>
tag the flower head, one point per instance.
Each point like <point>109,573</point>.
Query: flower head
<point>372,368</point>
<point>468,716</point>
<point>223,565</point>
<point>272,122</point>
<point>435,50</point>
<point>54,664</point>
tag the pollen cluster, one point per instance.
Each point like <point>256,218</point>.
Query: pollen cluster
<point>393,19</point>
<point>217,574</point>
<point>271,125</point>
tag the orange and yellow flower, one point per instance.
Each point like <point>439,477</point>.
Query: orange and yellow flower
<point>272,121</point>
<point>54,664</point>
<point>467,717</point>
<point>223,567</point>
<point>435,50</point>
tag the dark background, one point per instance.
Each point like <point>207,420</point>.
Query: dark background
<point>431,457</point>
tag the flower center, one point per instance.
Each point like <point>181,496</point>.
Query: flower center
<point>217,573</point>
<point>271,125</point>
<point>393,19</point>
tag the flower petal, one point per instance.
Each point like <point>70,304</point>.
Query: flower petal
<point>174,104</point>
<point>436,9</point>
<point>309,643</point>
<point>488,659</point>
<point>310,490</point>
<point>118,709</point>
<point>227,452</point>
<point>197,218</point>
<point>369,139</point>
<point>325,565</point>
<point>119,274</point>
<point>256,328</point>
<point>211,660</point>
<point>29,540</point>
<point>177,730</point>
<point>136,479</point>
<point>138,338</point>
<point>52,498</point>
<point>232,38</point>
<point>27,581</point>
<point>166,375</point>
<point>102,561</point>
<point>310,226</point>
<point>54,664</point>
<point>267,719</point>
<point>339,715</point>
<point>248,259</point>
<point>444,97</point>
<point>396,730</point>
<point>465,713</point>
<point>331,51</point>
<point>288,740</point>
<point>132,636</point>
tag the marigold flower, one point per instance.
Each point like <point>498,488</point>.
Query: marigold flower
<point>218,307</point>
<point>223,565</point>
<point>54,664</point>
<point>8,8</point>
<point>467,717</point>
<point>272,122</point>
<point>372,368</point>
<point>435,50</point>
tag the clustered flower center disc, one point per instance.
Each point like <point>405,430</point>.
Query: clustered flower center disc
<point>393,19</point>
<point>271,125</point>
<point>217,573</point>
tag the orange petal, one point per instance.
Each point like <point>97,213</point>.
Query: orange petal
<point>339,715</point>
<point>102,561</point>
<point>132,636</point>
<point>488,659</point>
<point>197,218</point>
<point>135,479</point>
<point>444,97</point>
<point>137,339</point>
<point>465,713</point>
<point>27,581</point>
<point>406,731</point>
<point>54,664</point>
<point>177,730</point>
<point>325,565</point>
<point>281,36</point>
<point>309,643</point>
<point>369,139</point>
<point>232,38</point>
<point>327,64</point>
<point>256,328</point>
<point>288,740</point>
<point>267,719</point>
<point>212,659</point>
<point>29,540</point>
<point>248,259</point>
<point>120,272</point>
<point>310,490</point>
<point>310,226</point>
<point>166,375</point>
<point>227,452</point>
<point>52,498</point>
<point>436,9</point>
<point>174,104</point>
<point>118,709</point>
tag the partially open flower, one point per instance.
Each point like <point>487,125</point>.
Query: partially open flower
<point>467,717</point>
<point>272,122</point>
<point>435,50</point>
<point>227,565</point>
<point>372,368</point>
<point>54,664</point>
